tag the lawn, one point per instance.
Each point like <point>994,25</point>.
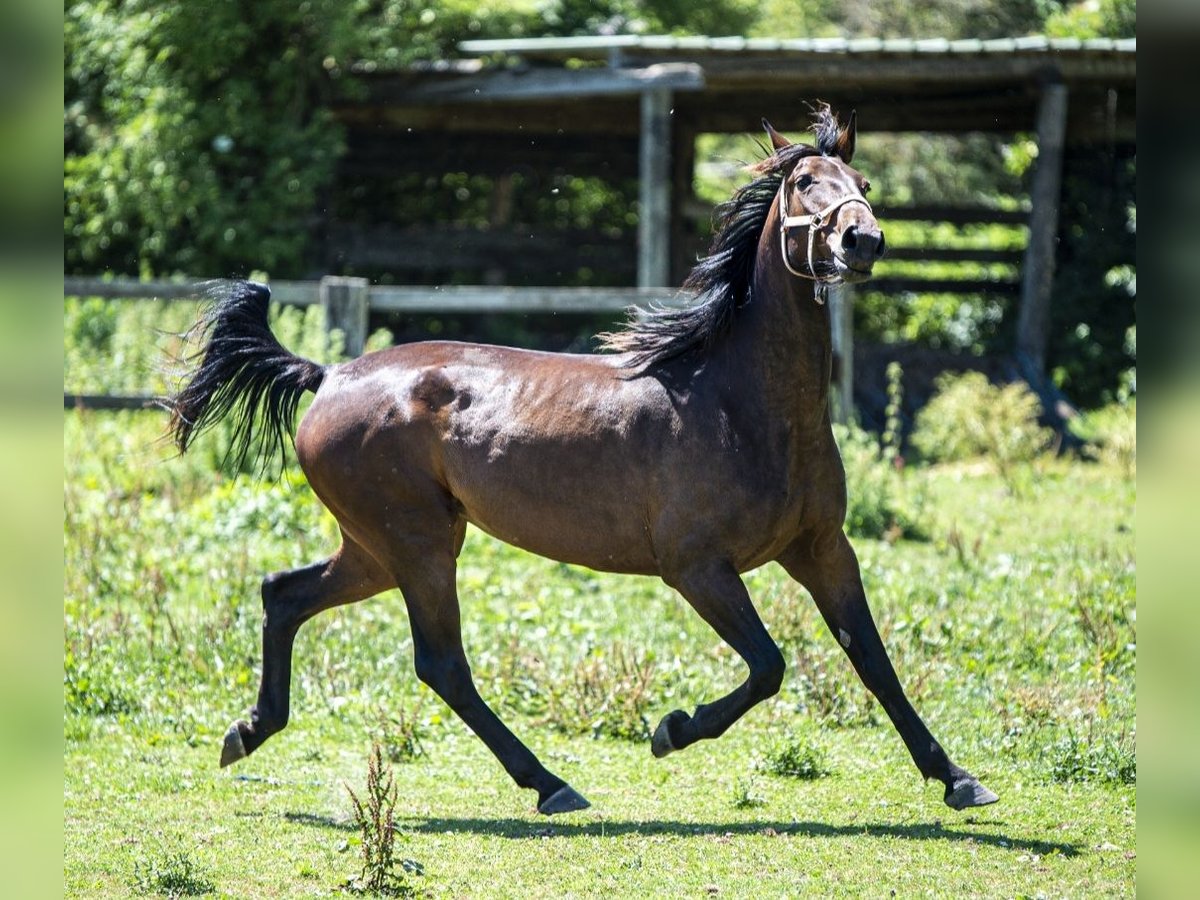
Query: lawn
<point>1012,624</point>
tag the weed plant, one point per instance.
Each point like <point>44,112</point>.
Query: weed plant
<point>375,818</point>
<point>172,872</point>
<point>798,756</point>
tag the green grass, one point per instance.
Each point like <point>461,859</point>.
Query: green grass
<point>1013,627</point>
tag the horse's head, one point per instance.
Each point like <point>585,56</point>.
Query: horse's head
<point>828,231</point>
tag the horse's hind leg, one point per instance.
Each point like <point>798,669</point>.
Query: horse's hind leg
<point>427,581</point>
<point>832,577</point>
<point>716,592</point>
<point>289,600</point>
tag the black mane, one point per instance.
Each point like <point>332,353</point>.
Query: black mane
<point>721,279</point>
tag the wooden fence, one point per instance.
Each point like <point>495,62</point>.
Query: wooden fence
<point>348,303</point>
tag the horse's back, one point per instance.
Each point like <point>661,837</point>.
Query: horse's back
<point>552,452</point>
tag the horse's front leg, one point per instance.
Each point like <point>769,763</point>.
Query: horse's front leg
<point>830,572</point>
<point>716,592</point>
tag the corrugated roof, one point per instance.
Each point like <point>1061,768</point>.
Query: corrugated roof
<point>598,46</point>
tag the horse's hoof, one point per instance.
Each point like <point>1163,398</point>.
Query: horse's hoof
<point>565,799</point>
<point>661,744</point>
<point>233,749</point>
<point>969,792</point>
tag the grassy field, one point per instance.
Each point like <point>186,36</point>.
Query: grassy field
<point>1013,626</point>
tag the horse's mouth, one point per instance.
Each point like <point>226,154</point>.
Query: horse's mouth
<point>849,273</point>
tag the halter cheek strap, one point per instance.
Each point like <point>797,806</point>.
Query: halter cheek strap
<point>813,223</point>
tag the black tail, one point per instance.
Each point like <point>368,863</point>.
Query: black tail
<point>243,370</point>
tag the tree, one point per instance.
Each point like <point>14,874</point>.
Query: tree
<point>196,135</point>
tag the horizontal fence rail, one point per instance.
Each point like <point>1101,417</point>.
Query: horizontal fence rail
<point>348,300</point>
<point>430,299</point>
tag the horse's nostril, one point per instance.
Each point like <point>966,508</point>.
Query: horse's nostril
<point>880,248</point>
<point>850,238</point>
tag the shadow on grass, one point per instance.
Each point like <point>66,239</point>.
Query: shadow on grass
<point>524,829</point>
<point>320,821</point>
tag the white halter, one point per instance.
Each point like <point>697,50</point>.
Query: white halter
<point>813,223</point>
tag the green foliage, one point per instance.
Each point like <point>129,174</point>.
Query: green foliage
<point>1110,435</point>
<point>1107,761</point>
<point>1089,19</point>
<point>964,19</point>
<point>747,794</point>
<point>608,694</point>
<point>375,817</point>
<point>880,503</point>
<point>400,733</point>
<point>798,756</point>
<point>196,136</point>
<point>172,872</point>
<point>969,417</point>
<point>92,688</point>
<point>397,33</point>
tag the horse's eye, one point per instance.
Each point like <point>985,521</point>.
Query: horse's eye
<point>804,182</point>
<point>866,188</point>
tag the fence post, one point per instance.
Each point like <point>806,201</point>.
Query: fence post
<point>841,325</point>
<point>654,189</point>
<point>346,303</point>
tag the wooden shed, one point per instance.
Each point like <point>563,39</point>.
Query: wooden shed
<point>632,106</point>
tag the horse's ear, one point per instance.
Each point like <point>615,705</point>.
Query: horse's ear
<point>846,138</point>
<point>778,141</point>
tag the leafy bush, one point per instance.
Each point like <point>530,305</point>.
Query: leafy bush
<point>969,417</point>
<point>171,871</point>
<point>798,757</point>
<point>1110,436</point>
<point>607,695</point>
<point>189,152</point>
<point>876,489</point>
<point>1105,760</point>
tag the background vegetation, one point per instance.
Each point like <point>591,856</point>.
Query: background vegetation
<point>1008,604</point>
<point>198,140</point>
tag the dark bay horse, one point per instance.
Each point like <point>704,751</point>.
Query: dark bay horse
<point>699,449</point>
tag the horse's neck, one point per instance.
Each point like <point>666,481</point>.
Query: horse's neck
<point>782,344</point>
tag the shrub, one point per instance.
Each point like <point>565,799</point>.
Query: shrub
<point>607,695</point>
<point>970,417</point>
<point>1105,760</point>
<point>875,484</point>
<point>1110,436</point>
<point>798,757</point>
<point>173,872</point>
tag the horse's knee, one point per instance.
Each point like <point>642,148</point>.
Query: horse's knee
<point>270,588</point>
<point>271,591</point>
<point>450,679</point>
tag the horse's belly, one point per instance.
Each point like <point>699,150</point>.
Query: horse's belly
<point>578,533</point>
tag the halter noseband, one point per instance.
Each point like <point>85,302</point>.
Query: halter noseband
<point>812,223</point>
